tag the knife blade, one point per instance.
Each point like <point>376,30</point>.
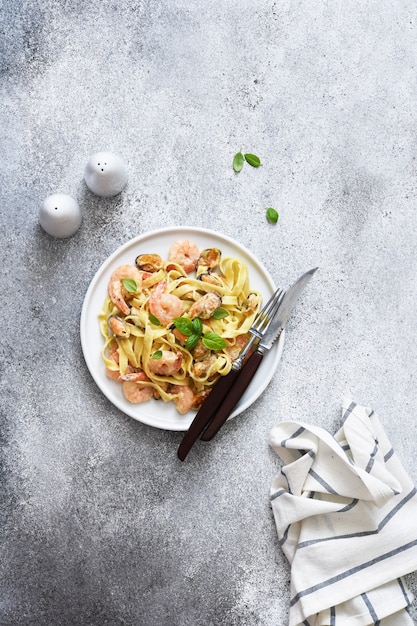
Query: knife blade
<point>250,367</point>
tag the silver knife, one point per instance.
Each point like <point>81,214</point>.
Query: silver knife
<point>253,362</point>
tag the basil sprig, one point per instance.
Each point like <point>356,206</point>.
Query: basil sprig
<point>253,160</point>
<point>193,330</point>
<point>240,158</point>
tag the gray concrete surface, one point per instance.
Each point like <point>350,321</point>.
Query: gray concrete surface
<point>100,523</point>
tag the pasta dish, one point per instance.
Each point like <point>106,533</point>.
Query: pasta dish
<point>172,327</point>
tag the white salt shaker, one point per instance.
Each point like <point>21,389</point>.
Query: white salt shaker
<point>60,215</point>
<point>105,174</point>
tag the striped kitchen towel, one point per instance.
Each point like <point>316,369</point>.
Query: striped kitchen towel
<point>345,512</point>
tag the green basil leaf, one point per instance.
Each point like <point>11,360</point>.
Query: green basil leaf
<point>212,341</point>
<point>252,159</point>
<point>184,325</point>
<point>130,285</point>
<point>154,320</point>
<point>157,355</point>
<point>197,326</point>
<point>192,341</point>
<point>220,313</point>
<point>272,215</point>
<point>238,161</point>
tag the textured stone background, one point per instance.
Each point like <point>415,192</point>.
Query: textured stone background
<point>100,523</point>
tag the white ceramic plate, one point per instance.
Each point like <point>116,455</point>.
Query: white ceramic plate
<point>156,412</point>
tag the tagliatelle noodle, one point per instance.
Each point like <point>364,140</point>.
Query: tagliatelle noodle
<point>146,338</point>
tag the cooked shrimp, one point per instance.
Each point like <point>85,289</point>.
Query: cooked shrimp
<point>135,377</point>
<point>118,294</point>
<point>164,306</point>
<point>113,374</point>
<point>205,306</point>
<point>186,254</point>
<point>113,355</point>
<point>168,363</point>
<point>135,392</point>
<point>184,398</point>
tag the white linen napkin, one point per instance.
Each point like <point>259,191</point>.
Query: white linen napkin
<point>345,512</point>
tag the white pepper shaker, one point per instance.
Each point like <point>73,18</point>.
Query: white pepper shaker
<point>105,174</point>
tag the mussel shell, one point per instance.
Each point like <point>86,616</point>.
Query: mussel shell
<point>209,257</point>
<point>149,262</point>
<point>118,327</point>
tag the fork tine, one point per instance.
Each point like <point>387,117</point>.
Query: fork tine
<point>259,325</point>
<point>276,304</point>
<point>264,316</point>
<point>265,309</point>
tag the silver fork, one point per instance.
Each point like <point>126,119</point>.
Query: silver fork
<point>260,326</point>
<point>210,406</point>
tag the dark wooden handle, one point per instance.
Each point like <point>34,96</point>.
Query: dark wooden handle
<point>246,374</point>
<point>206,412</point>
